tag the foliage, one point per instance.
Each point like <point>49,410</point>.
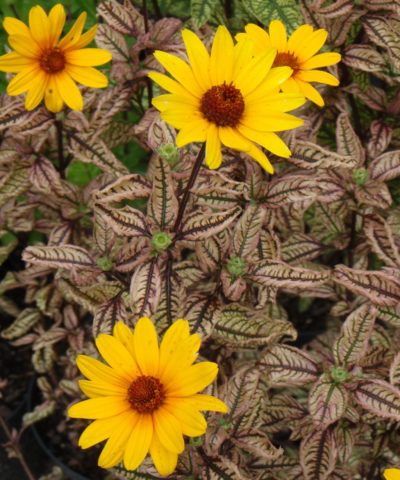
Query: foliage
<point>292,280</point>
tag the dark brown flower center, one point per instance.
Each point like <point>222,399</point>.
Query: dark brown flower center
<point>146,394</point>
<point>52,61</point>
<point>286,59</point>
<point>223,105</point>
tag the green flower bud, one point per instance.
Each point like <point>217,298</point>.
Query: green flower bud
<point>339,374</point>
<point>105,264</point>
<point>360,176</point>
<point>169,152</point>
<point>222,422</point>
<point>161,241</point>
<point>237,266</point>
<point>196,441</point>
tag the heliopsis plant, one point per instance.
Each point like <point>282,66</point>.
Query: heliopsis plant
<point>227,97</point>
<point>146,398</point>
<point>299,52</point>
<point>392,474</point>
<point>47,66</point>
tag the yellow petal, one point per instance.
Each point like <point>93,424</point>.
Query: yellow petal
<point>271,121</point>
<point>86,38</point>
<point>88,76</point>
<point>102,428</point>
<point>194,132</point>
<point>95,370</point>
<point>168,430</point>
<point>257,70</point>
<point>277,34</point>
<point>98,388</point>
<point>180,115</point>
<point>311,93</point>
<point>146,346</point>
<point>171,100</point>
<point>321,60</point>
<point>180,358</point>
<point>14,62</point>
<point>306,49</point>
<point>192,422</point>
<point>261,158</point>
<point>192,380</point>
<point>258,35</point>
<point>24,47</point>
<point>291,86</point>
<point>280,102</point>
<point>139,442</point>
<point>276,77</point>
<point>213,148</point>
<point>268,140</point>
<point>39,26</point>
<point>170,85</point>
<point>317,76</point>
<point>68,91</point>
<point>198,57</point>
<point>88,57</point>
<point>74,35</point>
<point>125,335</point>
<point>13,26</point>
<point>57,22</point>
<point>221,59</point>
<point>242,54</point>
<point>23,81</point>
<point>164,460</point>
<point>52,98</point>
<point>300,35</point>
<point>207,402</point>
<point>117,356</point>
<point>100,407</point>
<point>114,448</point>
<point>180,70</point>
<point>36,91</point>
<point>392,474</point>
<point>233,139</point>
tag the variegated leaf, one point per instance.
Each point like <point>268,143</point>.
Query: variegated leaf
<point>279,410</point>
<point>381,135</point>
<point>327,401</point>
<point>65,256</point>
<point>209,252</point>
<point>240,326</point>
<point>363,57</point>
<point>309,155</point>
<point>318,454</point>
<point>122,17</point>
<point>145,288</point>
<point>340,26</point>
<point>300,248</point>
<point>381,239</point>
<point>200,310</point>
<point>282,275</point>
<point>13,114</point>
<point>391,315</point>
<point>345,440</point>
<point>127,187</point>
<point>352,343</point>
<point>381,32</point>
<point>50,337</point>
<point>85,149</point>
<point>163,204</point>
<point>374,194</point>
<point>125,221</point>
<point>377,5</point>
<point>290,189</point>
<point>347,141</point>
<point>14,183</point>
<point>103,234</point>
<point>137,251</point>
<point>336,9</point>
<point>108,39</point>
<point>61,234</point>
<point>379,397</point>
<point>386,166</point>
<point>379,287</point>
<point>107,315</point>
<point>44,176</point>
<point>395,371</point>
<point>257,443</point>
<point>285,365</point>
<point>247,230</point>
<point>172,301</point>
<point>200,225</point>
<point>373,97</point>
<point>22,324</point>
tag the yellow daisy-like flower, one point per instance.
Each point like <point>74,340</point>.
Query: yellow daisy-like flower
<point>229,97</point>
<point>392,474</point>
<point>297,52</point>
<point>146,397</point>
<point>47,66</point>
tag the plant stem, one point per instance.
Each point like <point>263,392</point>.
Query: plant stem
<point>186,193</point>
<point>145,16</point>
<point>60,148</point>
<point>17,450</point>
<point>157,9</point>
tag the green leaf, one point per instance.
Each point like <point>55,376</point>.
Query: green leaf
<point>81,174</point>
<point>265,11</point>
<point>202,10</point>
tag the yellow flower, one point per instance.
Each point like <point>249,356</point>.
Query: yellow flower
<point>146,397</point>
<point>47,66</point>
<point>229,97</point>
<point>392,474</point>
<point>297,52</point>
